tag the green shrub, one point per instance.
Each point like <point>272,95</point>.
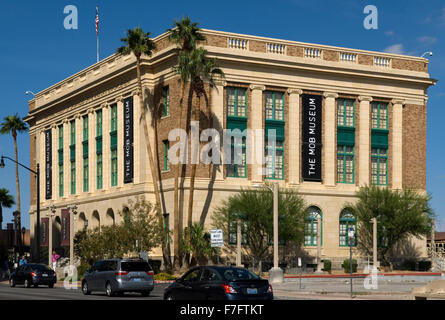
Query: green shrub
<point>81,270</point>
<point>327,265</point>
<point>347,268</point>
<point>409,265</point>
<point>424,265</point>
<point>164,276</point>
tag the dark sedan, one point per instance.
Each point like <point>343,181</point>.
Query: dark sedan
<point>219,283</point>
<point>33,274</point>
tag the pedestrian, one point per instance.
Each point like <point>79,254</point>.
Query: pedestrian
<point>55,257</point>
<point>23,261</point>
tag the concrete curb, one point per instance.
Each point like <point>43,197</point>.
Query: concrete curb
<point>362,275</point>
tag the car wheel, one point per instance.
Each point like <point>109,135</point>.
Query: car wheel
<point>109,290</point>
<point>12,282</point>
<point>51,285</point>
<point>27,283</point>
<point>85,290</point>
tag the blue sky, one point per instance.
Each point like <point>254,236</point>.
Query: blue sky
<point>37,51</point>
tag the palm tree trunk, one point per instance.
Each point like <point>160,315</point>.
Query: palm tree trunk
<point>176,192</point>
<point>147,140</point>
<point>193,174</point>
<point>14,135</point>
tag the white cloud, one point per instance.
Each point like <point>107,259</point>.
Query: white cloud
<point>427,40</point>
<point>395,48</point>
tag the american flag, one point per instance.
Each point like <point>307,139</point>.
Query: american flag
<point>97,20</point>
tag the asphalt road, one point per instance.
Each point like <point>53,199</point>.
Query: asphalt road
<point>57,293</point>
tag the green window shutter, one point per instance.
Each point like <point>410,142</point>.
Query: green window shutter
<point>113,140</point>
<point>85,149</point>
<point>379,138</point>
<point>72,152</point>
<point>346,136</point>
<point>166,101</point>
<point>236,123</point>
<point>60,157</point>
<point>278,126</point>
<point>99,145</point>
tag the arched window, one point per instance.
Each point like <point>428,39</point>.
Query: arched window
<point>311,227</point>
<point>347,220</point>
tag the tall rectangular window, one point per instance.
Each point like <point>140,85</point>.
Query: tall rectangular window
<point>85,154</point>
<point>379,166</point>
<point>99,171</point>
<point>165,101</point>
<point>73,156</point>
<point>60,162</point>
<point>236,102</point>
<point>345,164</point>
<point>274,153</point>
<point>345,141</point>
<point>236,107</point>
<point>166,145</point>
<point>113,144</point>
<point>379,115</point>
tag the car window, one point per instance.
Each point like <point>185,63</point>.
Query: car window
<point>96,266</point>
<point>135,266</point>
<point>232,274</point>
<point>112,265</point>
<point>28,268</point>
<point>40,267</point>
<point>192,276</point>
<point>209,275</point>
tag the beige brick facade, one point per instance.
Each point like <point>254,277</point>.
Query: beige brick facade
<point>402,84</point>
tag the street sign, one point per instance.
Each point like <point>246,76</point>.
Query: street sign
<point>216,238</point>
<point>351,233</point>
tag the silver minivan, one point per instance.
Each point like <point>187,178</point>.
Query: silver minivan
<point>116,276</point>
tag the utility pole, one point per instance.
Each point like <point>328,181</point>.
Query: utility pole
<point>374,243</point>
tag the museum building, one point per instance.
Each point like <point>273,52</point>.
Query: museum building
<point>343,118</point>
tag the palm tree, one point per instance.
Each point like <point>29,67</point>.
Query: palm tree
<point>185,35</point>
<point>138,42</point>
<point>6,200</point>
<point>196,67</point>
<point>13,125</point>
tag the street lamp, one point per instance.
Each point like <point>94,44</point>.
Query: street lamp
<point>37,174</point>
<point>276,275</point>
<point>430,53</point>
<point>73,218</point>
<point>50,214</point>
<point>351,240</point>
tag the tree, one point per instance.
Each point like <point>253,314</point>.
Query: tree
<point>141,222</point>
<point>400,214</point>
<point>254,208</point>
<point>197,68</point>
<point>6,200</point>
<point>13,125</point>
<point>139,43</point>
<point>185,35</point>
<point>199,245</point>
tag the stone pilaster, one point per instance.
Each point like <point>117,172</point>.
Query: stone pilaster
<point>365,140</point>
<point>106,155</point>
<point>66,159</point>
<point>330,145</point>
<point>217,95</point>
<point>397,151</point>
<point>79,156</point>
<point>294,135</point>
<point>257,117</point>
<point>92,155</point>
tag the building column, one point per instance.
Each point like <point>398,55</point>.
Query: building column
<point>79,155</point>
<point>365,140</point>
<point>92,155</point>
<point>120,142</point>
<point>139,148</point>
<point>217,96</point>
<point>397,122</point>
<point>293,135</point>
<point>257,146</point>
<point>66,159</point>
<point>330,144</point>
<point>55,162</point>
<point>106,156</point>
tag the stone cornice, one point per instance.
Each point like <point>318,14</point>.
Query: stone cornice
<point>398,101</point>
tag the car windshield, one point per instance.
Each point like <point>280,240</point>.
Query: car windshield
<point>135,266</point>
<point>233,274</point>
<point>40,267</point>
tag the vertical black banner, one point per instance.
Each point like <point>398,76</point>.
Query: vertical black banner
<point>311,148</point>
<point>128,140</point>
<point>48,164</point>
<point>65,232</point>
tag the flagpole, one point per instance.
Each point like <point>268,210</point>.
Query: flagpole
<point>97,31</point>
<point>97,48</point>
